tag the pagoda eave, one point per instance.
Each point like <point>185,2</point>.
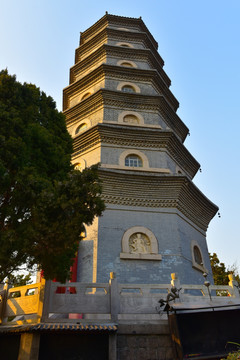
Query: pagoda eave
<point>166,191</point>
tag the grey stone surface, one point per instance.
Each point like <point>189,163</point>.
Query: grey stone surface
<point>145,347</point>
<point>136,45</point>
<point>145,88</point>
<point>149,117</point>
<point>156,159</point>
<point>125,27</point>
<point>85,261</point>
<point>140,64</point>
<point>174,235</point>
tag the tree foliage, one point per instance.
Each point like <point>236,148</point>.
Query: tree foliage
<point>44,203</point>
<point>220,272</point>
<point>19,279</point>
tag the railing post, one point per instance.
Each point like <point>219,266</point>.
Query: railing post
<point>234,285</point>
<point>41,299</point>
<point>175,280</point>
<point>29,346</point>
<point>114,297</point>
<point>114,310</point>
<point>176,283</point>
<point>46,300</point>
<point>5,298</point>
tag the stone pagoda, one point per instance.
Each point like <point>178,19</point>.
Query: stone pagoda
<point>121,114</point>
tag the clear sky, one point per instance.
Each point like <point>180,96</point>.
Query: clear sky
<point>200,44</point>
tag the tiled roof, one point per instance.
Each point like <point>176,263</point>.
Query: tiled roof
<point>62,327</point>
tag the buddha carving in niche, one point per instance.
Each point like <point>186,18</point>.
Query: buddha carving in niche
<point>139,243</point>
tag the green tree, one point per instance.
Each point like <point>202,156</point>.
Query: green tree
<point>19,279</point>
<point>220,272</point>
<point>44,203</point>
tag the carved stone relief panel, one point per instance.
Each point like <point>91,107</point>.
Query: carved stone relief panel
<point>139,243</point>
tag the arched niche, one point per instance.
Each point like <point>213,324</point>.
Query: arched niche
<point>85,96</point>
<point>124,44</point>
<point>79,165</point>
<point>139,242</point>
<point>130,118</point>
<point>127,63</point>
<point>81,126</point>
<point>128,87</point>
<point>197,257</point>
<point>138,153</point>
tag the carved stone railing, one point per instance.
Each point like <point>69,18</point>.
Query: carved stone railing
<point>22,303</point>
<point>204,293</point>
<point>139,301</point>
<point>3,294</point>
<point>103,302</point>
<point>76,301</point>
<point>110,302</point>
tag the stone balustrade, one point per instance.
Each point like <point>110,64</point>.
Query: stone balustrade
<point>54,302</point>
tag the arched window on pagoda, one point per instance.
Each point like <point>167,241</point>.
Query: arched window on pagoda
<point>81,128</point>
<point>133,160</point>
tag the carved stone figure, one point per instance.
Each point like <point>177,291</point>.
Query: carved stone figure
<point>139,244</point>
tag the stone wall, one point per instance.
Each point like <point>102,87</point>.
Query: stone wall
<point>174,235</point>
<point>144,342</point>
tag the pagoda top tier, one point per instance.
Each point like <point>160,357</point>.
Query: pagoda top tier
<point>117,22</point>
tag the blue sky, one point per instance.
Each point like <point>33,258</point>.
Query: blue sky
<point>200,44</point>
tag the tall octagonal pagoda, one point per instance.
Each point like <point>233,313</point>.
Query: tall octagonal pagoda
<point>121,114</point>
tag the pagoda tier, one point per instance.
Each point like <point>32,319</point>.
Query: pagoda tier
<point>107,105</point>
<point>107,52</point>
<point>149,81</point>
<point>172,156</point>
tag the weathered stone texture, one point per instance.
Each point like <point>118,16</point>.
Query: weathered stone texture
<point>174,237</point>
<point>144,347</point>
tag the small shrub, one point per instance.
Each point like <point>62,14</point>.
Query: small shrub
<point>233,355</point>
